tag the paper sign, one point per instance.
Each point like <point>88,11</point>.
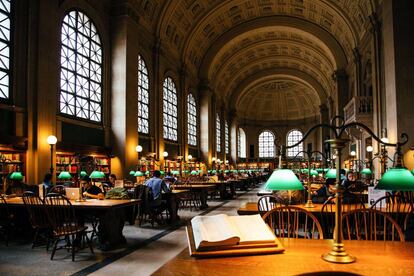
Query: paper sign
<point>374,195</point>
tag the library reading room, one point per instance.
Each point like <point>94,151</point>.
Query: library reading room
<point>206,137</point>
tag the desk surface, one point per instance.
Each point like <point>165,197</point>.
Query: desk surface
<point>194,186</point>
<point>302,256</point>
<point>89,203</point>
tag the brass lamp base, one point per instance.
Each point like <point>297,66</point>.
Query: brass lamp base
<point>309,204</point>
<point>338,255</point>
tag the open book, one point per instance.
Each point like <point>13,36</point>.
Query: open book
<point>224,231</point>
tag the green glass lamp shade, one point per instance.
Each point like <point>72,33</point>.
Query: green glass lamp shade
<point>139,173</point>
<point>147,173</point>
<point>366,172</point>
<point>326,170</point>
<point>314,173</point>
<point>96,175</point>
<point>330,174</point>
<point>304,170</point>
<point>16,176</point>
<point>64,175</point>
<point>200,171</point>
<point>175,172</point>
<point>162,172</point>
<point>397,179</point>
<point>412,171</point>
<point>226,171</point>
<point>214,171</point>
<point>283,180</point>
<point>193,172</point>
<point>131,172</point>
<point>83,173</point>
<point>319,170</point>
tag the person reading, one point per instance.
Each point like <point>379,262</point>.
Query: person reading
<point>90,190</point>
<point>157,186</point>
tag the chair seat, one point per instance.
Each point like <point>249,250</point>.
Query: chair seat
<point>69,230</point>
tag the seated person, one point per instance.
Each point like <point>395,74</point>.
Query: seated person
<point>157,186</point>
<point>349,182</point>
<point>323,193</point>
<point>47,181</point>
<point>111,182</point>
<point>90,190</point>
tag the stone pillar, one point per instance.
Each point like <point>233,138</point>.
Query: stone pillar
<point>398,68</point>
<point>233,132</point>
<point>156,103</point>
<point>207,122</point>
<point>341,78</point>
<point>184,114</point>
<point>358,75</point>
<point>324,133</point>
<point>124,94</point>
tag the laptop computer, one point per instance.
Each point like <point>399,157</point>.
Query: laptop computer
<point>72,193</point>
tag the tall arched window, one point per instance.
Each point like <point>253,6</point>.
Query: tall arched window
<point>218,133</point>
<point>293,137</point>
<point>143,96</point>
<point>5,43</point>
<point>241,144</point>
<point>226,136</point>
<point>81,68</point>
<point>170,110</point>
<point>192,120</point>
<point>266,145</point>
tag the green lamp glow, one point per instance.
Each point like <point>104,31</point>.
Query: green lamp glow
<point>330,174</point>
<point>96,175</point>
<point>175,172</point>
<point>138,173</point>
<point>83,173</point>
<point>16,176</point>
<point>162,172</point>
<point>131,172</point>
<point>366,172</point>
<point>283,180</point>
<point>397,179</point>
<point>64,175</point>
<point>314,173</point>
<point>304,170</point>
<point>147,173</point>
<point>193,172</point>
<point>214,171</point>
<point>412,171</point>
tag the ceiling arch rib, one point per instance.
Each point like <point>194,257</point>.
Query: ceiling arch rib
<point>270,74</point>
<point>278,99</point>
<point>272,36</point>
<point>229,80</point>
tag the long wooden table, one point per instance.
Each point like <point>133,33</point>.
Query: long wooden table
<point>201,189</point>
<point>110,212</point>
<point>303,257</point>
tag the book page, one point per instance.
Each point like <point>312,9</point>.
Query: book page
<point>252,229</point>
<point>211,231</point>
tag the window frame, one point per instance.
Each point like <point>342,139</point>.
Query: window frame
<point>139,91</point>
<point>291,152</point>
<point>218,133</point>
<point>174,105</point>
<point>102,72</point>
<point>10,71</point>
<point>268,144</point>
<point>193,122</point>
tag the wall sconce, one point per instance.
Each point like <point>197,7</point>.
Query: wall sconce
<point>138,148</point>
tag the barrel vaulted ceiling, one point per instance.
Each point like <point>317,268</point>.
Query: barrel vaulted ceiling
<point>267,53</point>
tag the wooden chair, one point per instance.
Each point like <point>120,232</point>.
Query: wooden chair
<point>5,219</point>
<point>61,215</point>
<point>293,222</point>
<point>370,224</point>
<point>268,202</point>
<point>37,216</point>
<point>397,206</point>
<point>149,212</point>
<point>350,202</point>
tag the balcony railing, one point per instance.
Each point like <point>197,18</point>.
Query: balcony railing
<point>359,109</point>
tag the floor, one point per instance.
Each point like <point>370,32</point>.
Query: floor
<point>147,249</point>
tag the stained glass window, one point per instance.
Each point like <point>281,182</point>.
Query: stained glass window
<point>5,25</point>
<point>81,68</point>
<point>293,137</point>
<point>143,97</point>
<point>266,145</point>
<point>218,134</point>
<point>170,110</point>
<point>192,120</point>
<point>226,136</point>
<point>241,144</point>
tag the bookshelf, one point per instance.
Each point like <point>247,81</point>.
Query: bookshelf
<point>11,161</point>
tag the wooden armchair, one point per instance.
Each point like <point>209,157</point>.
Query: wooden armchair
<point>293,222</point>
<point>268,202</point>
<point>370,224</point>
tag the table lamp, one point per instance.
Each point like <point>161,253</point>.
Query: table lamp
<point>366,172</point>
<point>64,175</point>
<point>283,180</point>
<point>193,172</point>
<point>83,173</point>
<point>16,176</point>
<point>131,172</point>
<point>397,179</point>
<point>138,173</point>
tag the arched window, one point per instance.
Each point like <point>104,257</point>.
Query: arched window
<point>266,145</point>
<point>293,137</point>
<point>170,110</point>
<point>81,68</point>
<point>218,133</point>
<point>5,43</point>
<point>226,136</point>
<point>241,144</point>
<point>143,97</point>
<point>192,120</point>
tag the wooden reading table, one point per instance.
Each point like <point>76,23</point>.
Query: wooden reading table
<point>303,257</point>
